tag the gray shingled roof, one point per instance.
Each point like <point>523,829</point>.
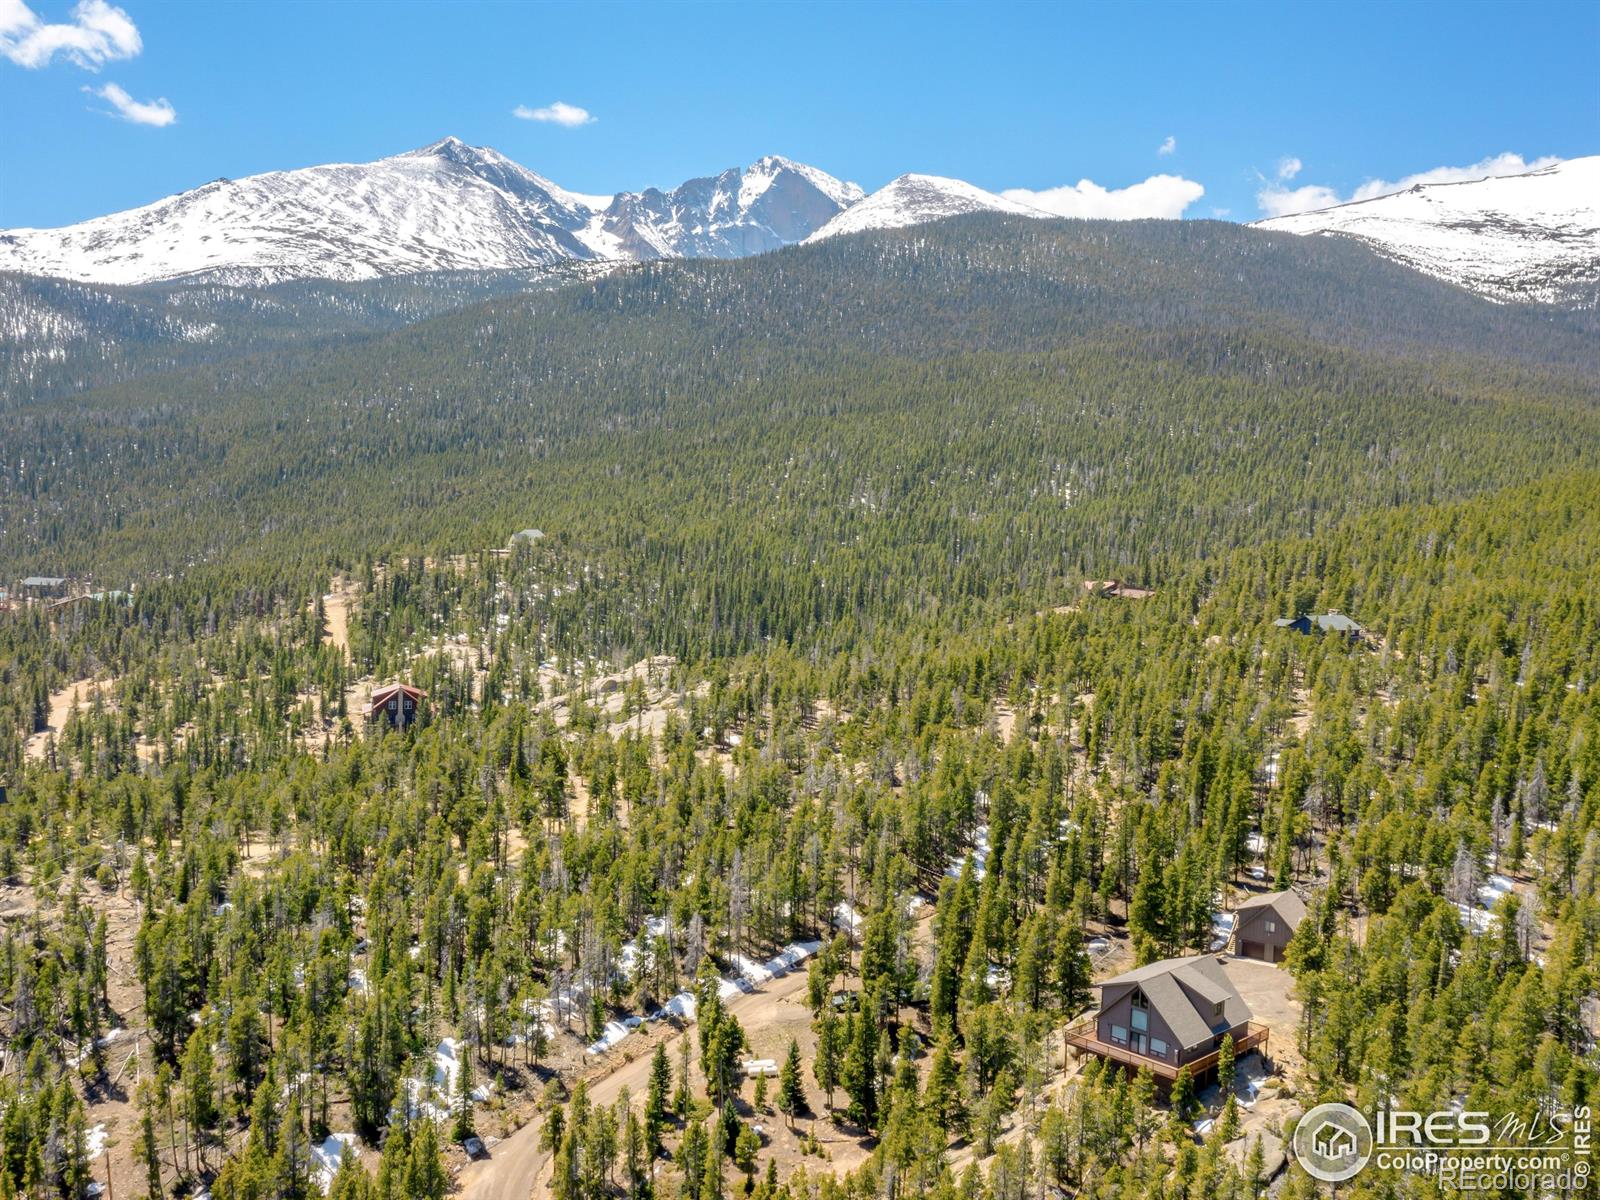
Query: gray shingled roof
<point>1287,904</point>
<point>1184,992</point>
<point>1336,623</point>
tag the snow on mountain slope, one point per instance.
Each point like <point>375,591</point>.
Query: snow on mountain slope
<point>1516,237</point>
<point>913,199</point>
<point>446,207</point>
<point>774,202</point>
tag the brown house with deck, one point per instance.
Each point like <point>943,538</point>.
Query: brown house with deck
<point>1263,925</point>
<point>1169,1015</point>
<point>399,704</point>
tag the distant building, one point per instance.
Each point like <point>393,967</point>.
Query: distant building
<point>399,704</point>
<point>1169,1015</point>
<point>527,535</point>
<point>1263,925</point>
<point>38,586</point>
<point>1328,622</point>
<point>1116,588</point>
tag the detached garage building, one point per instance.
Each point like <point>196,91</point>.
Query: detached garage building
<point>1263,925</point>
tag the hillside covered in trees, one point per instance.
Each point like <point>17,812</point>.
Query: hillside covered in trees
<point>796,739</point>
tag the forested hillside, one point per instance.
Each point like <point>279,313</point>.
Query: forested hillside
<point>854,399</point>
<point>57,336</point>
<point>795,739</point>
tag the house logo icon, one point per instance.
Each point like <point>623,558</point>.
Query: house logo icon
<point>1332,1142</point>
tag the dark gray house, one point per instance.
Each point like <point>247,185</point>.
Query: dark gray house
<point>1328,622</point>
<point>39,586</point>
<point>1263,925</point>
<point>1167,1015</point>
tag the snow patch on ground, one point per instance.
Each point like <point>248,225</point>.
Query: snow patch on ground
<point>979,855</point>
<point>1221,929</point>
<point>327,1154</point>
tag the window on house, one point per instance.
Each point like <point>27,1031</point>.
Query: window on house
<point>1158,1047</point>
<point>1216,1009</point>
<point>1119,1036</point>
<point>1138,1000</point>
<point>1141,1020</point>
<point>1272,927</point>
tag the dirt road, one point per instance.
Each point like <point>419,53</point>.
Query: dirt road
<point>336,613</point>
<point>517,1168</point>
<point>62,705</point>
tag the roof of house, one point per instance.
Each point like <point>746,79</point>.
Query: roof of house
<point>1287,904</point>
<point>1185,993</point>
<point>1328,622</point>
<point>43,581</point>
<point>380,695</point>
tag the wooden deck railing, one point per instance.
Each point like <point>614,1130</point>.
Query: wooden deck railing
<point>1083,1036</point>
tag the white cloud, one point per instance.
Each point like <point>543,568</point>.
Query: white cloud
<point>1168,146</point>
<point>1278,201</point>
<point>559,113</point>
<point>1288,168</point>
<point>1159,196</point>
<point>98,33</point>
<point>157,112</point>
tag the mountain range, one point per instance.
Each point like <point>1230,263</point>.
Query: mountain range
<point>1534,236</point>
<point>445,207</point>
<point>451,207</point>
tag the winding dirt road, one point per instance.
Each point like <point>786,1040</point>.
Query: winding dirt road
<point>517,1168</point>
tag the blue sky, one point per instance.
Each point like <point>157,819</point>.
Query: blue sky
<point>1029,96</point>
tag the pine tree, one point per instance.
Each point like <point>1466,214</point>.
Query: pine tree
<point>791,1093</point>
<point>1182,1099</point>
<point>425,1176</point>
<point>657,1098</point>
<point>942,1097</point>
<point>1228,1123</point>
<point>826,1065</point>
<point>860,1070</point>
<point>461,1127</point>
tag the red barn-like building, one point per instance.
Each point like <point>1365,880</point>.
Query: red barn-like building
<point>397,703</point>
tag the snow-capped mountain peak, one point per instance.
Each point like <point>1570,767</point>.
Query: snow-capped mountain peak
<point>771,203</point>
<point>912,199</point>
<point>770,168</point>
<point>1534,236</point>
<point>446,206</point>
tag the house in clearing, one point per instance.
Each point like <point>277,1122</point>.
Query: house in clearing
<point>1116,588</point>
<point>1169,1015</point>
<point>38,587</point>
<point>399,704</point>
<point>1263,925</point>
<point>1328,622</point>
